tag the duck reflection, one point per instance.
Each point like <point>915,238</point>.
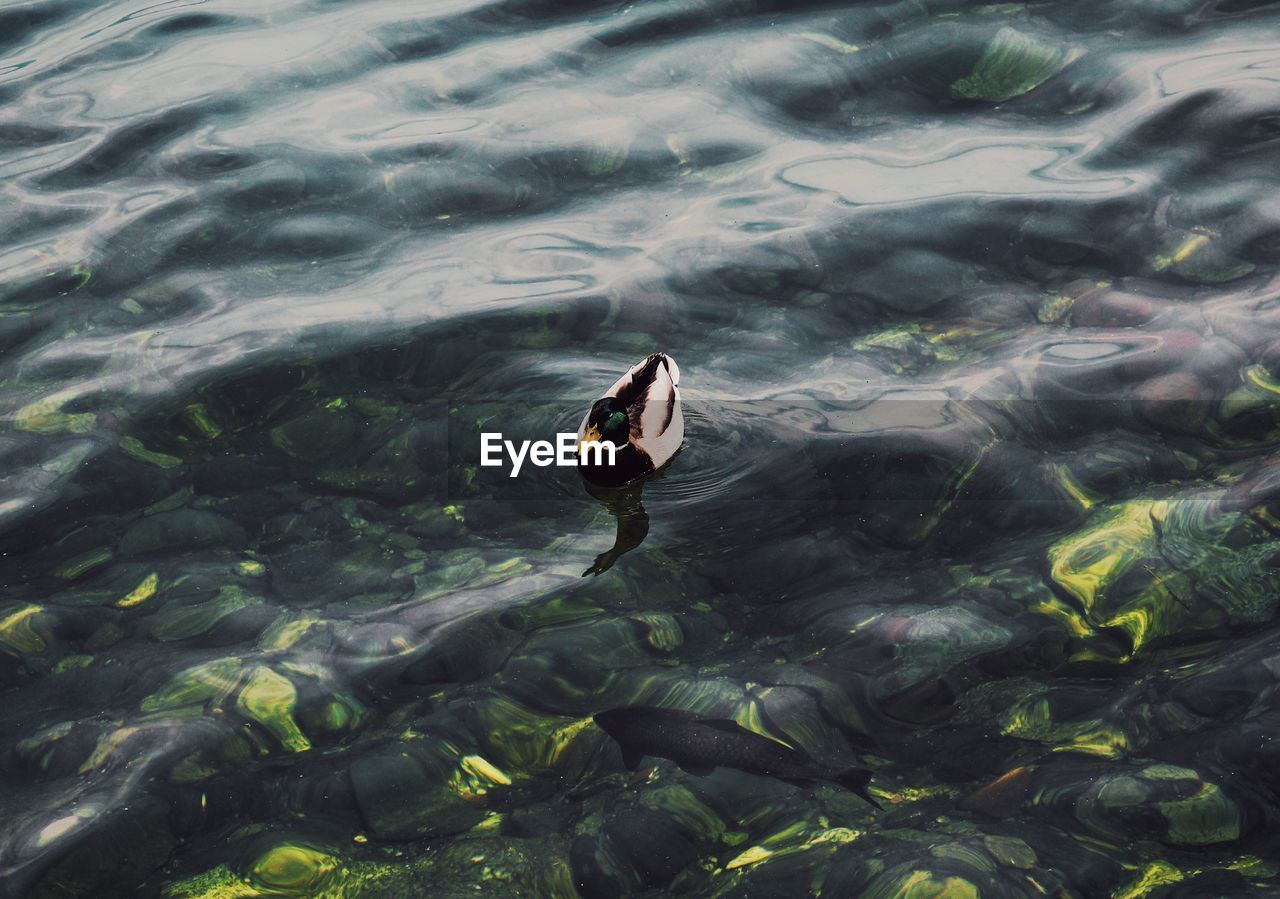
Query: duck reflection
<point>625,505</point>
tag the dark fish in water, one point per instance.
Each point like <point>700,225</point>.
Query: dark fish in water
<point>697,744</point>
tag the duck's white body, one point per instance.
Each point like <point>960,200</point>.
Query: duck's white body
<point>650,391</point>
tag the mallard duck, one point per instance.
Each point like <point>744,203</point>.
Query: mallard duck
<point>640,415</point>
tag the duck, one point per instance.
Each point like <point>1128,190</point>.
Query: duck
<point>641,416</point>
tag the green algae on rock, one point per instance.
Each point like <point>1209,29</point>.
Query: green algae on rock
<point>293,869</point>
<point>1156,568</point>
<point>179,622</point>
<point>423,788</point>
<point>134,447</point>
<point>23,630</point>
<point>270,699</point>
<point>1012,64</point>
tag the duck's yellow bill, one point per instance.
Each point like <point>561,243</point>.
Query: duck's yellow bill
<point>591,435</point>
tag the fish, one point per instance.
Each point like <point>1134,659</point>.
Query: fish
<point>699,744</point>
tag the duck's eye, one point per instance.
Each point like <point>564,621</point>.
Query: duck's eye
<point>615,421</point>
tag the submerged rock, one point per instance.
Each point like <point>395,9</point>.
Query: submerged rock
<point>316,435</point>
<point>270,699</point>
<point>637,849</point>
<point>179,622</point>
<point>292,869</point>
<point>1157,568</point>
<point>405,793</point>
<point>1178,402</point>
<point>86,848</point>
<point>184,529</point>
<point>1167,803</point>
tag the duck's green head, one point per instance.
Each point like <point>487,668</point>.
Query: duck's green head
<point>608,422</point>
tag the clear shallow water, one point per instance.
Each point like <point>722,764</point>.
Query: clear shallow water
<point>976,314</point>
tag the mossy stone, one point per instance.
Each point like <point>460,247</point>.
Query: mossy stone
<point>315,435</point>
<point>184,529</point>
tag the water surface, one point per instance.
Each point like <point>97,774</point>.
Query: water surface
<point>977,315</point>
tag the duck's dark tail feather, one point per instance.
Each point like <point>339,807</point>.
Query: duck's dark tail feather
<point>855,780</point>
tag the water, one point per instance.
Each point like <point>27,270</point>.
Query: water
<point>977,317</point>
